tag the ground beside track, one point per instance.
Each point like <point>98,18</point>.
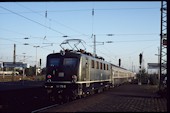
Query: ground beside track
<point>125,98</point>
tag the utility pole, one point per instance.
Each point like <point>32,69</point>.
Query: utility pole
<point>140,70</point>
<point>132,66</point>
<point>158,68</point>
<point>36,64</point>
<point>14,60</point>
<point>40,64</point>
<point>94,45</point>
<point>23,67</point>
<point>102,43</point>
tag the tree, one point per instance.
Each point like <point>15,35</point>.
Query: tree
<point>143,75</point>
<point>30,71</point>
<point>43,72</point>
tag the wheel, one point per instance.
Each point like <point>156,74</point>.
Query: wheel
<point>79,96</point>
<point>84,95</point>
<point>66,99</point>
<point>92,92</point>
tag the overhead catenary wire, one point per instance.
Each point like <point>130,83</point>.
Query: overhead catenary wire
<point>103,9</point>
<point>13,31</point>
<point>101,52</point>
<point>50,19</point>
<point>136,51</point>
<point>26,44</point>
<point>113,34</point>
<point>26,35</point>
<point>32,20</point>
<point>46,12</point>
<point>134,41</point>
<point>92,13</point>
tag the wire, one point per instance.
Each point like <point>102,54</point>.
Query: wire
<point>76,10</point>
<point>139,34</point>
<point>145,48</point>
<point>9,40</point>
<point>13,31</point>
<point>30,44</point>
<point>114,34</point>
<point>135,41</point>
<point>32,20</point>
<point>49,19</point>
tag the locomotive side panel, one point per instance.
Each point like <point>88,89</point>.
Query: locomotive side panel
<point>100,70</point>
<point>94,74</point>
<point>100,74</point>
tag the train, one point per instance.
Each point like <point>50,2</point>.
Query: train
<point>74,74</point>
<point>9,73</point>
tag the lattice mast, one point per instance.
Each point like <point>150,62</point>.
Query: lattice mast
<point>163,41</point>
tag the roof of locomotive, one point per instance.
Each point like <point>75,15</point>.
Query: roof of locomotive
<point>79,52</point>
<point>84,53</point>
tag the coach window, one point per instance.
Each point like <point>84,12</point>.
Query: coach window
<point>104,66</point>
<point>101,66</point>
<point>116,73</point>
<point>92,63</point>
<point>97,64</point>
<point>107,67</point>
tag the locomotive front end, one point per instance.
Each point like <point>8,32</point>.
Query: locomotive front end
<point>61,74</point>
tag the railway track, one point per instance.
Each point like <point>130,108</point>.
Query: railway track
<point>44,108</point>
<point>22,100</point>
<point>65,103</point>
<point>126,98</point>
<point>35,100</point>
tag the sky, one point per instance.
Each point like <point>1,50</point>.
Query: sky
<point>135,29</point>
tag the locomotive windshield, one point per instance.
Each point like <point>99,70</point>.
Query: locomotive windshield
<point>71,62</point>
<point>67,62</point>
<point>54,62</point>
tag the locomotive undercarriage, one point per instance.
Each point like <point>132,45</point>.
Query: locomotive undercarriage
<point>68,92</point>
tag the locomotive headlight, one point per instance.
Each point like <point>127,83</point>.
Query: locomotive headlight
<point>74,78</point>
<point>49,80</point>
<point>49,76</point>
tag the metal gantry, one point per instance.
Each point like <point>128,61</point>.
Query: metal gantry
<point>163,43</point>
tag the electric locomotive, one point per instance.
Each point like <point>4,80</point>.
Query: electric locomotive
<point>75,74</point>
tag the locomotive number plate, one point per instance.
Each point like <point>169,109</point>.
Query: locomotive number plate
<point>61,74</point>
<point>60,86</point>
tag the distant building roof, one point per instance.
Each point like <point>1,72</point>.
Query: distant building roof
<point>16,64</point>
<point>155,65</point>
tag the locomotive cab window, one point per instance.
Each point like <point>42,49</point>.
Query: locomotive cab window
<point>54,62</point>
<point>71,62</point>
